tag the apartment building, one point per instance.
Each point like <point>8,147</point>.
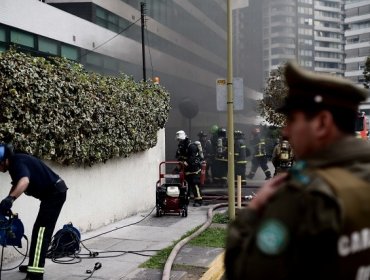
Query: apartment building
<point>357,35</point>
<point>308,31</point>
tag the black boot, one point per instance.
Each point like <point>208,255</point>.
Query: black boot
<point>268,175</point>
<point>23,268</point>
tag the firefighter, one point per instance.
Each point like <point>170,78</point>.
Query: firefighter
<point>207,152</point>
<point>188,153</point>
<point>219,171</point>
<point>31,176</point>
<point>241,152</point>
<point>282,157</point>
<point>259,156</point>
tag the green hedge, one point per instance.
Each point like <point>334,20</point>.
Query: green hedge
<point>56,110</point>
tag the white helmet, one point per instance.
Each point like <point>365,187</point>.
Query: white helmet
<point>180,135</point>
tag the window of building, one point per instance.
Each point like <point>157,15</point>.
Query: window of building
<point>94,59</point>
<point>352,12</point>
<point>305,10</point>
<point>352,53</point>
<point>110,63</point>
<point>2,48</point>
<point>365,10</point>
<point>48,46</point>
<point>305,63</point>
<point>22,38</point>
<point>364,51</point>
<point>69,52</point>
<point>2,35</point>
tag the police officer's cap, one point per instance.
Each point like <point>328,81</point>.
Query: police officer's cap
<point>309,91</point>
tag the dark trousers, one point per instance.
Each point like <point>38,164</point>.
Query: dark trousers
<point>259,162</point>
<point>241,169</point>
<point>43,229</point>
<point>193,184</point>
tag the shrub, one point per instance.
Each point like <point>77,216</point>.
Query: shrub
<point>54,109</point>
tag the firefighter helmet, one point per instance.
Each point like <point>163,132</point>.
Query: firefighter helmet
<point>214,128</point>
<point>238,134</point>
<point>180,135</point>
<point>221,132</point>
<point>202,134</point>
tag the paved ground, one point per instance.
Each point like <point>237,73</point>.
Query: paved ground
<point>133,242</point>
<point>125,245</point>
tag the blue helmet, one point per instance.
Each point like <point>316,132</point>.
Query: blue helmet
<point>2,152</point>
<point>6,150</point>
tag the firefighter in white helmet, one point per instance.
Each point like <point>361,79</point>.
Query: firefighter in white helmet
<point>188,153</point>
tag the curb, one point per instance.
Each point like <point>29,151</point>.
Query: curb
<point>216,269</point>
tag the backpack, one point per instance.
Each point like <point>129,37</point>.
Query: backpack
<point>65,242</point>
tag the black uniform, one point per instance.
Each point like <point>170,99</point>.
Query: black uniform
<point>219,171</point>
<point>51,190</point>
<point>188,153</point>
<point>241,152</point>
<point>259,157</point>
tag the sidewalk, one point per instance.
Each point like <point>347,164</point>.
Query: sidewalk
<point>152,233</point>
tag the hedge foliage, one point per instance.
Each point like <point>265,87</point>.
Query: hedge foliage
<point>56,110</point>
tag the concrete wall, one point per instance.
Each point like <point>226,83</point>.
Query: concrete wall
<point>98,195</point>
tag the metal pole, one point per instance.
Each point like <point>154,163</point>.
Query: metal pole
<point>142,8</point>
<point>230,116</point>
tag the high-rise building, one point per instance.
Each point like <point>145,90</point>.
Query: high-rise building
<point>357,34</point>
<point>308,31</point>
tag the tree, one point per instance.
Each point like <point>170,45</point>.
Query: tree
<point>274,93</point>
<point>367,73</point>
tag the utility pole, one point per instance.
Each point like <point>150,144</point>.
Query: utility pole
<point>230,115</point>
<point>142,8</point>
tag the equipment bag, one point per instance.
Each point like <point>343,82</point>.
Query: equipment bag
<point>65,242</point>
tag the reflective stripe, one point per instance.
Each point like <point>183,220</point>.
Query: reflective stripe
<point>36,258</point>
<point>198,197</point>
<point>194,172</point>
<point>35,269</point>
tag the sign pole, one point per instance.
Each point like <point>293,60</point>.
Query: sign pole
<point>230,116</point>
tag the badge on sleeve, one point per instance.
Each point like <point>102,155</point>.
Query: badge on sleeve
<point>272,237</point>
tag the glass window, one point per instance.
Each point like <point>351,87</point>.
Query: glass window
<point>93,58</point>
<point>2,48</point>
<point>110,63</point>
<point>22,38</point>
<point>48,46</point>
<point>2,35</point>
<point>69,52</point>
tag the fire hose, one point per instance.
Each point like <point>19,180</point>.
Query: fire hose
<point>180,244</point>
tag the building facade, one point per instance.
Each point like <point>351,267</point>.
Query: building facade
<point>185,46</point>
<point>357,35</point>
<point>308,31</point>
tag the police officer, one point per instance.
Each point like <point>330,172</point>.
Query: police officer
<point>240,153</point>
<point>282,156</point>
<point>259,156</point>
<point>188,153</point>
<point>312,223</point>
<point>31,176</point>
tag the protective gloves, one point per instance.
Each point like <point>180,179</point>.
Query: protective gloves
<point>6,204</point>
